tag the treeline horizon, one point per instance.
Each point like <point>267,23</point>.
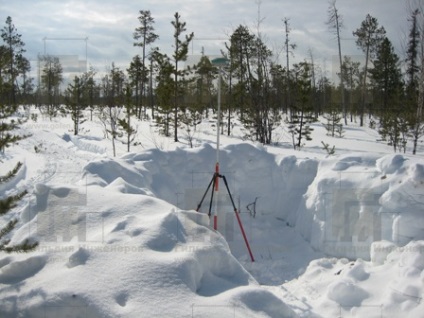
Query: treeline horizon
<point>385,91</point>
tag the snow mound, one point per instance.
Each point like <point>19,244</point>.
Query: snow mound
<point>346,293</point>
<point>392,287</point>
<point>84,144</point>
<point>115,254</point>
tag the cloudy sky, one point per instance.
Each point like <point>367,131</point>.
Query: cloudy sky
<point>61,27</point>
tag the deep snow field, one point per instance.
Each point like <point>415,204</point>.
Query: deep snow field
<point>332,236</point>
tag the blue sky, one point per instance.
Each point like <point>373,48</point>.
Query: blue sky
<point>109,25</point>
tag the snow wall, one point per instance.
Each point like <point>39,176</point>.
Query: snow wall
<point>340,204</point>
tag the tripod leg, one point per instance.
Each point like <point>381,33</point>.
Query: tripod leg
<point>238,220</point>
<point>204,195</point>
<point>215,176</point>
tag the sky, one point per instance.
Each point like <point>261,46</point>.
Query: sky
<point>103,30</point>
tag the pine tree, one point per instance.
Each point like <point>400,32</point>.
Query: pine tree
<point>411,60</point>
<point>369,37</point>
<point>302,115</point>
<point>51,78</point>
<point>7,125</point>
<point>113,88</point>
<point>179,55</point>
<point>136,74</point>
<point>14,49</point>
<point>335,22</point>
<point>240,55</point>
<point>333,124</point>
<point>91,91</point>
<point>164,91</point>
<point>145,35</point>
<point>125,123</point>
<point>351,74</point>
<point>388,86</point>
<point>415,78</point>
<point>74,102</point>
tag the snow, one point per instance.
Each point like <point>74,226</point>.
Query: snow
<point>333,236</point>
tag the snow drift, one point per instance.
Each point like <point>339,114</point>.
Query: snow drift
<point>105,253</point>
<point>341,205</point>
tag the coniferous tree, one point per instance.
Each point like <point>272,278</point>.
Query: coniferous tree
<point>125,123</point>
<point>145,35</point>
<point>415,78</point>
<point>7,204</point>
<point>288,48</point>
<point>91,93</point>
<point>369,37</point>
<point>388,87</point>
<point>164,91</point>
<point>333,123</point>
<point>351,75</point>
<point>198,96</point>
<point>240,53</point>
<point>203,75</point>
<point>113,94</point>
<point>335,22</point>
<point>13,50</point>
<point>7,126</point>
<point>74,102</point>
<point>302,115</point>
<point>136,75</point>
<point>412,68</point>
<point>51,78</point>
<point>26,88</point>
<point>179,55</point>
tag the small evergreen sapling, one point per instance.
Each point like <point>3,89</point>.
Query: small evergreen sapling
<point>330,151</point>
<point>6,204</point>
<point>333,125</point>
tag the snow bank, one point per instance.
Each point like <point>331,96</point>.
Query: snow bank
<point>83,143</point>
<point>182,176</point>
<point>342,288</point>
<point>105,252</point>
<point>340,205</point>
<point>356,200</point>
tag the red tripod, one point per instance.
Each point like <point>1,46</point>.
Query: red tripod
<point>214,182</point>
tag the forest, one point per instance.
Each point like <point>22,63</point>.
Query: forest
<point>384,92</point>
